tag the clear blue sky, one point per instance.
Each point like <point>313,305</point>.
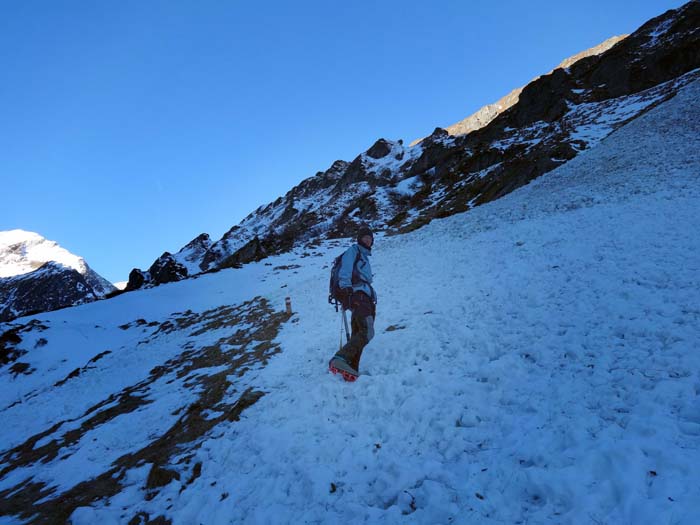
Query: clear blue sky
<point>127,128</point>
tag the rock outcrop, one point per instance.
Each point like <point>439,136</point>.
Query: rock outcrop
<point>50,287</point>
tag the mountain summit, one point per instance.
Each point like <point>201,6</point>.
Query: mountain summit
<point>37,274</point>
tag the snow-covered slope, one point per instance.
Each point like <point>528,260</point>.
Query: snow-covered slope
<point>535,362</point>
<point>38,275</point>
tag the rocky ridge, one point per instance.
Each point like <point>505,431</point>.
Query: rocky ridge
<point>396,188</point>
<point>489,112</point>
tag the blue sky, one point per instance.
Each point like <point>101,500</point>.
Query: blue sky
<point>130,127</point>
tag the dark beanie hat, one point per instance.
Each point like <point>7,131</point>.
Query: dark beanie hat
<point>364,230</point>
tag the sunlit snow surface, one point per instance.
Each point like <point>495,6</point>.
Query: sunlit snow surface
<point>30,252</point>
<point>536,361</point>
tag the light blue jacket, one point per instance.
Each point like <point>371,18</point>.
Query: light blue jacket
<point>363,271</point>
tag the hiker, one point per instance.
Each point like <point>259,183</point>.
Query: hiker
<point>356,294</point>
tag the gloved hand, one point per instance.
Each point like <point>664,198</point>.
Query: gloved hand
<point>345,298</point>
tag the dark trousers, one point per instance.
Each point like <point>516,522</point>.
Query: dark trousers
<point>362,322</point>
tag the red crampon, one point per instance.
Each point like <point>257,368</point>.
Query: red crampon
<point>346,375</point>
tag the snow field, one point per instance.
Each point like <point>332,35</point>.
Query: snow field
<point>541,365</point>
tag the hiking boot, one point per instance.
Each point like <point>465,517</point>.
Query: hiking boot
<point>339,364</point>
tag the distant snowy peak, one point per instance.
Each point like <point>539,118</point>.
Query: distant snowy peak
<point>38,275</point>
<point>22,252</point>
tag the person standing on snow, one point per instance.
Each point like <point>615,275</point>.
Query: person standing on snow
<point>357,294</point>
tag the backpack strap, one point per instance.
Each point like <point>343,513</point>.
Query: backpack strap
<point>357,259</point>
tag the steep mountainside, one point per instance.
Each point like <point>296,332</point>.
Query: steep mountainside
<point>398,189</point>
<point>535,361</point>
<point>486,114</point>
<point>37,275</point>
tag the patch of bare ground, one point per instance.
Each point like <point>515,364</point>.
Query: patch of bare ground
<point>249,346</point>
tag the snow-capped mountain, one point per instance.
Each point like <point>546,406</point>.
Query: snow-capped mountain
<point>535,361</point>
<point>398,188</point>
<point>39,275</point>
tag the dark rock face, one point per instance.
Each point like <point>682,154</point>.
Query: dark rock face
<point>380,149</point>
<point>355,172</point>
<point>166,270</point>
<point>438,133</point>
<point>544,99</point>
<point>252,251</point>
<point>437,151</point>
<point>50,287</point>
<point>399,189</point>
<point>670,44</point>
<point>136,280</point>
